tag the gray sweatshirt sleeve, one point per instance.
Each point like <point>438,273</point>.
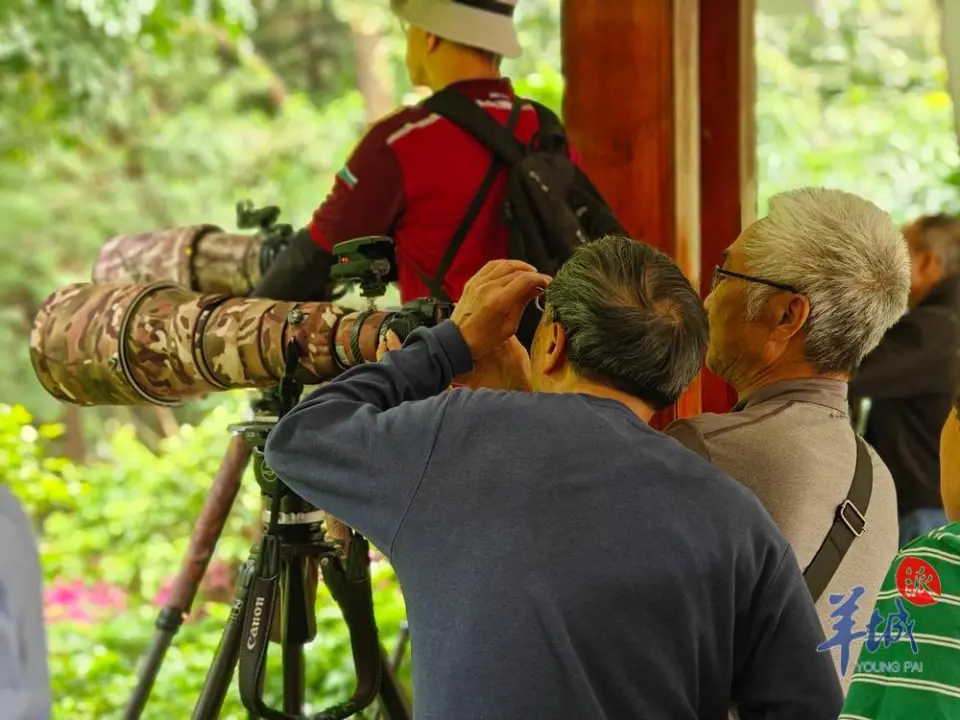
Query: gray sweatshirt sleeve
<point>358,446</point>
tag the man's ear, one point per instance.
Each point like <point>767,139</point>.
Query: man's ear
<point>433,42</point>
<point>554,348</point>
<point>792,311</point>
<point>927,262</point>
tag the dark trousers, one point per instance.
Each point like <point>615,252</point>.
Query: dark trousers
<point>915,523</point>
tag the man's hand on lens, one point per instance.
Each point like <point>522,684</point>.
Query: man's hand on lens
<point>493,300</point>
<point>391,341</point>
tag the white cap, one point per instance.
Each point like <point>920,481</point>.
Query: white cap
<point>484,24</point>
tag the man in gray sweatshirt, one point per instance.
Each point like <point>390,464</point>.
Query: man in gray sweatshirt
<point>558,557</point>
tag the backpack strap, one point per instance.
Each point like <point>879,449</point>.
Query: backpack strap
<point>465,112</point>
<point>848,524</point>
<point>457,107</point>
<point>550,131</point>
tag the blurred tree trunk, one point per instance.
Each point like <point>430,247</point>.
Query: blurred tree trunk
<point>950,42</point>
<point>371,78</point>
<point>167,421</point>
<point>306,45</point>
<point>75,442</point>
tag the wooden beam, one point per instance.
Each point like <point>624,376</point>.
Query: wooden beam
<point>728,174</point>
<point>631,107</point>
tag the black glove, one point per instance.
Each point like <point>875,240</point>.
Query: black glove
<point>301,273</point>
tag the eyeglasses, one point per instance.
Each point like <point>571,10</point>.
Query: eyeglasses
<point>719,273</point>
<point>538,302</point>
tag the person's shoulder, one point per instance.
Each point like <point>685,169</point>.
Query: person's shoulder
<point>563,412</point>
<point>17,538</point>
<point>404,122</point>
<point>11,510</point>
<point>934,556</point>
<point>702,431</point>
<point>394,125</point>
<point>929,320</point>
<point>709,423</point>
<point>937,551</point>
<point>516,403</point>
<point>943,540</point>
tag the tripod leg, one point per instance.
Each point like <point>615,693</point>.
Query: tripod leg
<point>401,646</point>
<point>393,704</point>
<point>393,701</point>
<point>207,531</point>
<point>227,655</point>
<point>298,627</point>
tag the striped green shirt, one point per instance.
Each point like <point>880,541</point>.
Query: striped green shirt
<point>896,677</point>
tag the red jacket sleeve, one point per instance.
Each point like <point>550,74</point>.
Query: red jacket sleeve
<point>367,195</point>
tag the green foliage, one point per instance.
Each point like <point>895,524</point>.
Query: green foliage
<point>43,484</point>
<point>111,543</point>
<point>856,99</point>
<point>63,58</point>
<point>545,85</point>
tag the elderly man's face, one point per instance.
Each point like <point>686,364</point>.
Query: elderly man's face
<point>950,466</point>
<point>734,342</point>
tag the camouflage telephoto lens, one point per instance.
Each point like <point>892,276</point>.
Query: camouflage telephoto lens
<point>201,258</point>
<point>161,344</point>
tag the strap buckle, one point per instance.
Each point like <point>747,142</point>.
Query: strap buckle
<point>848,505</point>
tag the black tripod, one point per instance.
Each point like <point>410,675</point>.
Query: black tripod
<point>276,592</point>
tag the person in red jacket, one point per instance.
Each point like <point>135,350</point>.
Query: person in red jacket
<point>414,175</point>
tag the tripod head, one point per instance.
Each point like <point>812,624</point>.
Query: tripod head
<point>275,236</point>
<point>294,543</point>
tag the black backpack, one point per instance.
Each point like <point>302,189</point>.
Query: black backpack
<point>551,208</point>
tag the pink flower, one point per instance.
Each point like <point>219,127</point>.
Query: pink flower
<point>163,594</point>
<point>77,601</point>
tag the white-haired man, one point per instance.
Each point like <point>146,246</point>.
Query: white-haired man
<point>802,296</point>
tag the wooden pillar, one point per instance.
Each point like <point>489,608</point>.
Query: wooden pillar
<point>631,110</point>
<point>659,103</point>
<point>727,146</point>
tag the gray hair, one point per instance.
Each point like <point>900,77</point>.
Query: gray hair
<point>941,234</point>
<point>849,259</point>
<point>632,319</point>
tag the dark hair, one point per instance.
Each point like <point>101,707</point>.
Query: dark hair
<point>941,234</point>
<point>488,57</point>
<point>633,320</point>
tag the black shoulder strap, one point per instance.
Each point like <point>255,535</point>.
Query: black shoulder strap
<point>465,112</point>
<point>550,131</point>
<point>848,524</point>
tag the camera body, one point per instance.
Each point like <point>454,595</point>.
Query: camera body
<point>275,237</point>
<point>371,263</point>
